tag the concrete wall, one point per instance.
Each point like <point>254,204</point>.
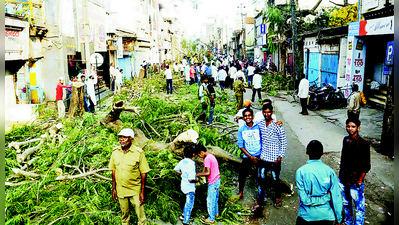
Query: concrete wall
<point>55,59</point>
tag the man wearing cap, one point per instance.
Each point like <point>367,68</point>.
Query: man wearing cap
<point>129,168</point>
<point>239,90</point>
<point>58,96</point>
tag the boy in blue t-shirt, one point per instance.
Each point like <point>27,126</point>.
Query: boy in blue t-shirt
<point>186,167</point>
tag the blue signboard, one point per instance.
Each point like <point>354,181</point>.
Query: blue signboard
<point>353,29</point>
<point>390,53</point>
<point>262,29</point>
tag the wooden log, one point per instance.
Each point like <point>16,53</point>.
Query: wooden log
<point>10,184</point>
<point>25,173</point>
<point>178,144</point>
<point>29,151</point>
<point>77,101</point>
<point>17,145</point>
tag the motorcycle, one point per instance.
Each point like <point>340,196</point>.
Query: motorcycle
<point>326,96</point>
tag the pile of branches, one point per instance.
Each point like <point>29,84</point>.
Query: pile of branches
<point>58,174</point>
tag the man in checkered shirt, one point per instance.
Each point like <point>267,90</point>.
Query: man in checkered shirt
<point>274,145</point>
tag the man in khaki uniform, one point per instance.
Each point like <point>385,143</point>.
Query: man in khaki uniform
<point>239,90</point>
<point>129,167</point>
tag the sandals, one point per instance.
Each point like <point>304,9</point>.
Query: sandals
<point>207,221</point>
<point>278,203</point>
<point>182,219</point>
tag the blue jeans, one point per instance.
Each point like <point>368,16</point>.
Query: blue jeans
<point>212,200</point>
<point>211,110</point>
<point>169,85</point>
<point>263,168</point>
<point>188,207</point>
<point>356,194</point>
<point>86,104</point>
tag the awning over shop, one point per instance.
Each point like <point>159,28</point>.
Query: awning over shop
<point>126,35</point>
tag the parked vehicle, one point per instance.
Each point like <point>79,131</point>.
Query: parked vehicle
<point>326,96</point>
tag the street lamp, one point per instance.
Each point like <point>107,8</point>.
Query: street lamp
<point>243,32</point>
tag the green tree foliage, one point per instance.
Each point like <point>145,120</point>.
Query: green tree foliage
<point>88,146</point>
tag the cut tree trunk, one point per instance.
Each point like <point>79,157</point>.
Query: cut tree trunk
<point>112,120</point>
<point>177,146</point>
<point>77,101</point>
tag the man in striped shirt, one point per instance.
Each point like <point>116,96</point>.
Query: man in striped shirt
<point>274,145</point>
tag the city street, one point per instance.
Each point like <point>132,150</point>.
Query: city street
<point>114,112</point>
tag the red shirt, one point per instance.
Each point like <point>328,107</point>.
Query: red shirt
<point>58,91</point>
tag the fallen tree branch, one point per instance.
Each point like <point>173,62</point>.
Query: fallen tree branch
<point>80,175</point>
<point>25,173</point>
<point>73,214</point>
<point>153,129</point>
<point>10,184</point>
<point>55,163</point>
<point>17,145</point>
<point>30,162</point>
<point>29,151</point>
<point>102,177</point>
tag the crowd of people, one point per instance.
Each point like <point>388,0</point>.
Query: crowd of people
<point>325,198</point>
<point>89,98</point>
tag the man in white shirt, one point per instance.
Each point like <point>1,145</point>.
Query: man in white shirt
<point>222,77</point>
<point>240,73</point>
<point>256,84</point>
<point>214,72</point>
<point>118,81</point>
<point>232,72</point>
<point>112,75</point>
<point>251,71</point>
<point>303,91</point>
<point>168,76</point>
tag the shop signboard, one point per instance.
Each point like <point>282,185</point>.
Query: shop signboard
<point>369,4</point>
<point>259,41</point>
<point>16,40</point>
<point>355,64</point>
<point>353,29</point>
<point>262,29</point>
<point>378,26</point>
<point>390,54</point>
<point>258,21</point>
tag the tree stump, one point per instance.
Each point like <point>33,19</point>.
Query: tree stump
<point>77,106</point>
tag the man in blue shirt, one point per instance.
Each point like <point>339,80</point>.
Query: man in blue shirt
<point>249,141</point>
<point>208,70</point>
<point>318,190</point>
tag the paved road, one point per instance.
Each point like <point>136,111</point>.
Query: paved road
<point>326,126</point>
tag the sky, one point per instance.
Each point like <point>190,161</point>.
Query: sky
<point>192,20</point>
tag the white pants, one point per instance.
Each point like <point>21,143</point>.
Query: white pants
<point>117,88</point>
<point>61,108</point>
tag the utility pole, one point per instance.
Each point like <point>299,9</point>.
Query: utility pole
<point>294,42</point>
<point>243,33</point>
<point>87,41</point>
